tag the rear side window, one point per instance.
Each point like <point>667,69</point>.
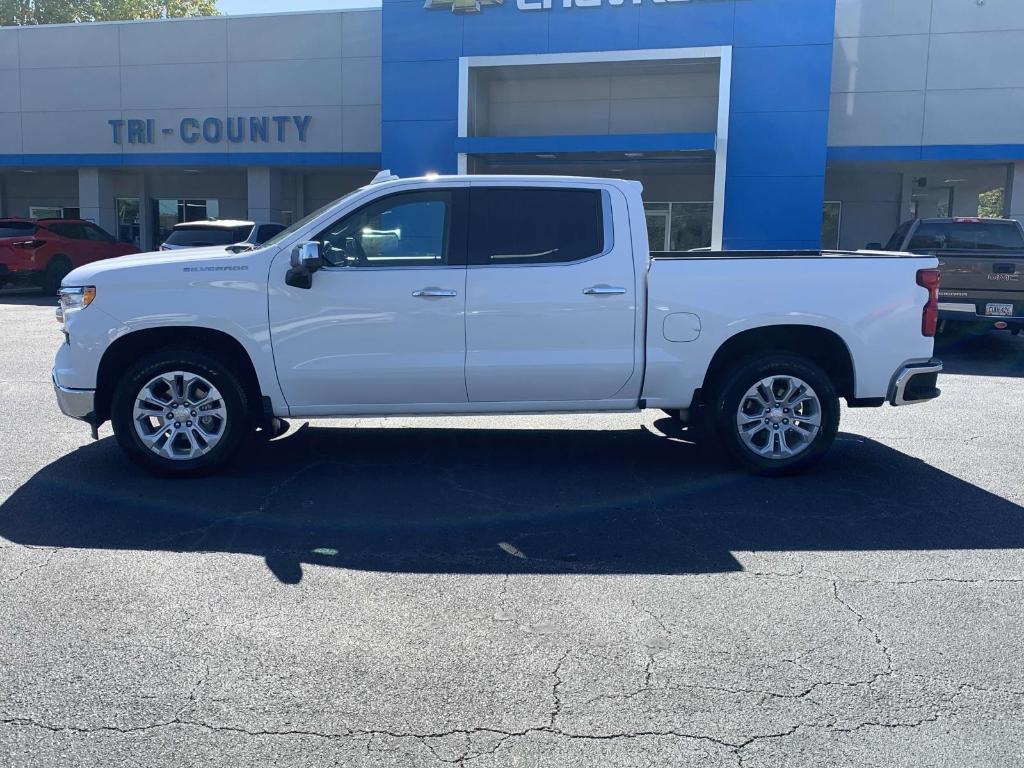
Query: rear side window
<point>16,229</point>
<point>535,226</point>
<point>267,231</point>
<point>968,236</point>
<point>896,241</point>
<point>200,236</point>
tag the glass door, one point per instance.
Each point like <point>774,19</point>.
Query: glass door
<point>129,229</point>
<point>657,226</point>
<point>170,211</point>
<point>933,202</point>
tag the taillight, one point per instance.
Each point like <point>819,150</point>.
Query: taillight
<point>29,245</point>
<point>930,278</point>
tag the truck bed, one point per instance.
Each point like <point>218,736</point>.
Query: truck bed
<point>802,254</point>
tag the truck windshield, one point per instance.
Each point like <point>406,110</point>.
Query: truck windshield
<point>968,236</point>
<point>285,234</point>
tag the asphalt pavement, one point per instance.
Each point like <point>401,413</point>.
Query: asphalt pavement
<point>586,590</point>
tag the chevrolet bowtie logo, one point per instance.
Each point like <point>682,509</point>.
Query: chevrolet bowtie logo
<point>461,6</point>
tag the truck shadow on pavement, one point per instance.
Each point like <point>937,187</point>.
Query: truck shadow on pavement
<point>985,353</point>
<point>497,501</point>
<point>27,297</point>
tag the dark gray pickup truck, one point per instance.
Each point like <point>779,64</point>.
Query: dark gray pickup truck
<point>982,264</point>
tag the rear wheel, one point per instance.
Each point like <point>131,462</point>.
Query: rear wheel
<point>55,272</point>
<point>777,414</point>
<point>180,413</point>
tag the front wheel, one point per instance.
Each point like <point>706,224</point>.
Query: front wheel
<point>54,274</point>
<point>777,414</point>
<point>180,413</point>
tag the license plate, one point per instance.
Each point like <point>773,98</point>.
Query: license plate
<point>999,310</point>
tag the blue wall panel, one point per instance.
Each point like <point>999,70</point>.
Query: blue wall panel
<point>782,53</point>
<point>593,29</point>
<point>777,144</point>
<point>420,90</point>
<point>419,147</point>
<point>708,23</point>
<point>785,22</point>
<point>781,78</point>
<point>412,33</point>
<point>504,30</point>
<point>775,212</point>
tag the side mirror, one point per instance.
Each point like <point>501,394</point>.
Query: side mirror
<point>305,261</point>
<point>307,256</point>
<point>873,247</point>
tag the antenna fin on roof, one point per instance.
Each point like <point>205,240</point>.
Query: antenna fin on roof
<point>385,175</point>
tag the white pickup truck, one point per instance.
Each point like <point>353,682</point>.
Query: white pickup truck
<point>489,294</point>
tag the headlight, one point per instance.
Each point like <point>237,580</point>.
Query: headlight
<point>73,299</point>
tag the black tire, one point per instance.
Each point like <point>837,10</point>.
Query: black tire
<point>55,272</point>
<point>726,401</point>
<point>236,426</point>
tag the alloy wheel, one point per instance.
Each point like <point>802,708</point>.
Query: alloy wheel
<point>779,417</point>
<point>179,415</point>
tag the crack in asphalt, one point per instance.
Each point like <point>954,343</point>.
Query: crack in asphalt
<point>50,552</point>
<point>862,621</point>
<point>556,709</point>
<point>469,751</point>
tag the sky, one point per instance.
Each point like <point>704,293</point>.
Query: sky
<point>235,7</point>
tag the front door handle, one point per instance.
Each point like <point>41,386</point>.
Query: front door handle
<point>603,290</point>
<point>433,293</point>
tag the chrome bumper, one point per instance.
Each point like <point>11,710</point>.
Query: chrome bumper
<point>76,403</point>
<point>915,383</point>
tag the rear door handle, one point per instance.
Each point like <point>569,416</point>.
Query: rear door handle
<point>603,290</point>
<point>433,293</point>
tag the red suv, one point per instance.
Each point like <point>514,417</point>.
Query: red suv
<point>43,251</point>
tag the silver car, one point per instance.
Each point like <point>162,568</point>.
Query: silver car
<point>233,235</point>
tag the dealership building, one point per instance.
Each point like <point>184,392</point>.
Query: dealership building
<point>751,123</point>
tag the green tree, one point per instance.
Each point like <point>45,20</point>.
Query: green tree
<point>991,204</point>
<point>18,12</point>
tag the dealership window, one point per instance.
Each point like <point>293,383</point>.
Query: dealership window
<point>831,222</point>
<point>535,226</point>
<point>53,212</point>
<point>129,228</point>
<point>170,212</point>
<point>678,226</point>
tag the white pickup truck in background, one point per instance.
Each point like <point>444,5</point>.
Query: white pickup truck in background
<point>489,294</point>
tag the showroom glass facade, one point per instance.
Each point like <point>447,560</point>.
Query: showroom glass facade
<point>750,123</point>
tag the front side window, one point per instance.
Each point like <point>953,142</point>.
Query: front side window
<point>535,226</point>
<point>408,229</point>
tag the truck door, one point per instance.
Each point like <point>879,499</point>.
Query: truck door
<point>550,295</point>
<point>383,322</point>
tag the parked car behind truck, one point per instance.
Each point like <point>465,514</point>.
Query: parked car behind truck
<point>236,235</point>
<point>41,252</point>
<point>490,295</point>
<point>982,265</point>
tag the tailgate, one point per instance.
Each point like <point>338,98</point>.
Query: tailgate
<point>982,272</point>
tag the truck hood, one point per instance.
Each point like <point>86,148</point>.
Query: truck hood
<point>213,259</point>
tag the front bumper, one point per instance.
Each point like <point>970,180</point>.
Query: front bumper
<point>915,383</point>
<point>76,403</point>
